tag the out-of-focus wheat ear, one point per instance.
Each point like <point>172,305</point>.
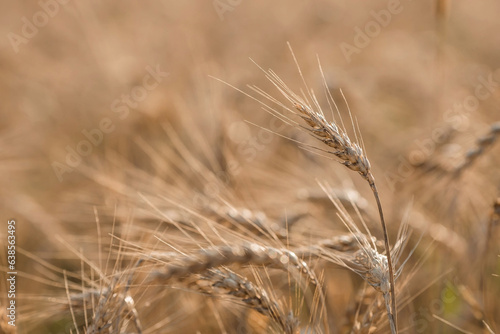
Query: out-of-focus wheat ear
<point>371,316</point>
<point>217,282</point>
<point>339,243</point>
<point>359,305</point>
<point>350,198</point>
<point>445,236</point>
<point>252,222</point>
<point>482,144</point>
<point>177,266</point>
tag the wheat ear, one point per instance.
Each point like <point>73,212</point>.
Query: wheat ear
<point>371,316</point>
<point>216,282</point>
<point>179,266</point>
<point>253,222</point>
<point>482,144</point>
<point>340,243</point>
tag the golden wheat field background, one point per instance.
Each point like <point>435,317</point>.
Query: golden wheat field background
<point>228,166</point>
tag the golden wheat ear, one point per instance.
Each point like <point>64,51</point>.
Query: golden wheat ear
<point>334,135</point>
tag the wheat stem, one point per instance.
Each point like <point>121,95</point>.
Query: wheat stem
<point>392,317</point>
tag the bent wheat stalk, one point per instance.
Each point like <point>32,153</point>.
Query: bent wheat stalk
<point>348,153</point>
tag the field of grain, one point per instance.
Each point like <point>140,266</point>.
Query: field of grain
<point>235,166</point>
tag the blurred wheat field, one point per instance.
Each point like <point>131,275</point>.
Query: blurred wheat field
<point>173,167</point>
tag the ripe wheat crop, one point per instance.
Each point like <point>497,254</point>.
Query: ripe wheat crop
<point>198,191</point>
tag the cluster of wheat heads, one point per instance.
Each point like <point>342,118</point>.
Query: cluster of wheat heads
<point>219,265</point>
